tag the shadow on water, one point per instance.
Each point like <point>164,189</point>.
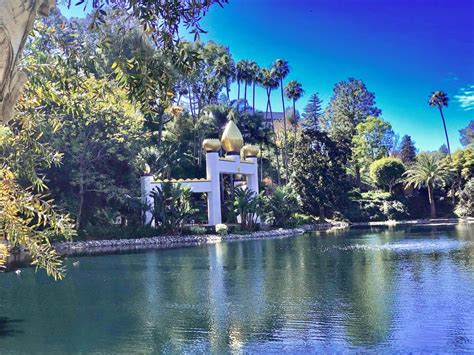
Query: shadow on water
<point>8,327</point>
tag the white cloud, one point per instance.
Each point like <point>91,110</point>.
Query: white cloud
<point>466,98</point>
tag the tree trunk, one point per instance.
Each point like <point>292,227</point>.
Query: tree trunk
<point>245,96</point>
<point>238,90</point>
<point>445,130</point>
<point>253,98</point>
<point>285,151</point>
<point>322,215</point>
<point>227,90</point>
<point>274,137</point>
<point>80,204</point>
<point>432,201</point>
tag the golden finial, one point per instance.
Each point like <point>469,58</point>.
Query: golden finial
<point>211,145</point>
<point>232,140</point>
<point>250,151</point>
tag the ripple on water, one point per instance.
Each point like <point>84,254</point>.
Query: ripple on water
<point>417,246</point>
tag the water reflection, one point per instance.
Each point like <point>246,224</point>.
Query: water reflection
<point>383,289</point>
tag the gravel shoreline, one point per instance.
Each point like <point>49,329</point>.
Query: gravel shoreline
<point>92,247</point>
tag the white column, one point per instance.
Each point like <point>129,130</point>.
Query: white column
<point>252,179</point>
<point>214,196</point>
<point>146,187</point>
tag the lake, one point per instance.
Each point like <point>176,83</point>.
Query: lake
<point>403,289</point>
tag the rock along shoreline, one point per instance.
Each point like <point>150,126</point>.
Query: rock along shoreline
<point>92,247</point>
<point>100,247</point>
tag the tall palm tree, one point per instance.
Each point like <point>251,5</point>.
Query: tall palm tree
<point>225,68</point>
<point>247,77</point>
<point>268,80</point>
<point>282,70</point>
<point>294,91</point>
<point>255,71</point>
<point>239,74</point>
<point>429,170</point>
<point>440,99</point>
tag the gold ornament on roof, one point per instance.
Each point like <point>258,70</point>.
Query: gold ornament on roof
<point>211,145</point>
<point>232,140</point>
<point>250,151</point>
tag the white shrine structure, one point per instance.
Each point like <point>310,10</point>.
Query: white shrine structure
<point>239,159</point>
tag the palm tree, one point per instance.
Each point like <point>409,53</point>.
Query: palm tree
<point>440,99</point>
<point>225,68</point>
<point>247,77</point>
<point>294,91</point>
<point>282,70</point>
<point>255,71</point>
<point>268,80</point>
<point>428,170</point>
<point>239,73</point>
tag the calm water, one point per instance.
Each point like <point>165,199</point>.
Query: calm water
<point>399,290</point>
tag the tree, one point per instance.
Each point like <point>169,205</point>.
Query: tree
<point>294,91</point>
<point>387,172</point>
<point>318,173</point>
<point>428,171</point>
<point>443,150</point>
<point>440,99</point>
<point>467,134</point>
<point>282,69</point>
<point>312,112</point>
<point>373,140</point>
<point>247,206</point>
<point>255,72</point>
<point>268,80</point>
<point>350,104</point>
<point>407,150</point>
<point>172,207</point>
<point>240,74</point>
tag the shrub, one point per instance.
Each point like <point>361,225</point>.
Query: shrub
<point>197,230</point>
<point>465,206</point>
<point>376,206</point>
<point>301,219</point>
<point>280,206</point>
<point>246,206</point>
<point>387,172</point>
<point>172,207</point>
<point>221,229</point>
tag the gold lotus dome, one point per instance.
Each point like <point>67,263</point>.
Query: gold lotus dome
<point>211,145</point>
<point>232,140</point>
<point>250,151</point>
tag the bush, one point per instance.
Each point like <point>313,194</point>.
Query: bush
<point>387,172</point>
<point>377,206</point>
<point>91,232</point>
<point>198,230</point>
<point>301,219</point>
<point>172,207</point>
<point>465,206</point>
<point>221,229</point>
<point>246,206</point>
<point>280,206</point>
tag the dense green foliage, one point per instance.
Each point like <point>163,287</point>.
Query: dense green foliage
<point>318,175</point>
<point>407,150</point>
<point>428,171</point>
<point>387,172</point>
<point>113,95</point>
<point>172,207</point>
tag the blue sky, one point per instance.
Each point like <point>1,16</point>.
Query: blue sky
<point>401,49</point>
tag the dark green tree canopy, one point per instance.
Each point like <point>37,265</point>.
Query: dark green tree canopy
<point>350,104</point>
<point>387,172</point>
<point>318,174</point>
<point>407,150</point>
<point>467,134</point>
<point>312,112</point>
